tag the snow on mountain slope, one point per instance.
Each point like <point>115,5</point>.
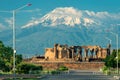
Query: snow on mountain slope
<point>70,17</point>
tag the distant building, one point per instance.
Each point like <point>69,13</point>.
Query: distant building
<point>73,57</point>
<point>76,53</point>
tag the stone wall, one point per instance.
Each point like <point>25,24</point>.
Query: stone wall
<point>76,53</point>
<point>49,53</point>
<point>96,66</point>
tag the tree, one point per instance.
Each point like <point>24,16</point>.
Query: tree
<point>1,44</point>
<point>19,59</point>
<point>6,58</point>
<point>111,61</point>
<point>2,65</point>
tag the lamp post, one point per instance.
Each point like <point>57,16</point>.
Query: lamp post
<point>109,39</point>
<point>14,37</point>
<point>14,33</point>
<point>110,42</point>
<point>117,50</point>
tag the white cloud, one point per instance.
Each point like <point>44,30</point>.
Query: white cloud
<point>89,13</point>
<point>5,23</point>
<point>2,27</point>
<point>32,22</point>
<point>9,21</point>
<point>102,14</point>
<point>97,14</point>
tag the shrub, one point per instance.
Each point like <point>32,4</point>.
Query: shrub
<point>62,68</point>
<point>28,68</point>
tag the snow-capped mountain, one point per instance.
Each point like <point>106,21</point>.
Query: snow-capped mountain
<point>64,25</point>
<point>71,17</point>
<point>68,16</point>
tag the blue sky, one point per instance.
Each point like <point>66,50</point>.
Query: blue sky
<point>46,5</point>
<point>41,7</point>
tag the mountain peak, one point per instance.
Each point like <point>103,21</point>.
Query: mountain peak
<point>65,16</point>
<point>70,17</point>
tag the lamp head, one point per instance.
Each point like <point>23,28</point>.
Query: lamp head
<point>29,4</point>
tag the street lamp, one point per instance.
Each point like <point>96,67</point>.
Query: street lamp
<point>117,50</point>
<point>110,42</point>
<point>14,45</point>
<point>108,39</point>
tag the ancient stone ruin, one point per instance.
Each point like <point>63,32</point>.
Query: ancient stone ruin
<point>73,57</point>
<point>76,53</point>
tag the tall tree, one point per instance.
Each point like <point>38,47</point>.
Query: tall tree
<point>111,61</point>
<point>6,57</point>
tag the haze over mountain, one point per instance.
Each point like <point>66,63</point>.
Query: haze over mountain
<point>64,25</point>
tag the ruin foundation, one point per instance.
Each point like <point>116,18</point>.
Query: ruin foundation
<point>96,66</point>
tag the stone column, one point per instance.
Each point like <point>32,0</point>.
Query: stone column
<point>55,51</point>
<point>72,53</point>
<point>86,52</point>
<point>96,52</point>
<point>60,54</point>
<point>92,51</point>
<point>100,52</point>
<point>80,52</point>
<point>86,55</point>
<point>68,53</point>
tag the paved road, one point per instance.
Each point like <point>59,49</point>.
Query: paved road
<point>79,75</point>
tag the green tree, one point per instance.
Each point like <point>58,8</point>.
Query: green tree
<point>111,61</point>
<point>6,58</point>
<point>19,59</point>
<point>1,44</point>
<point>2,65</point>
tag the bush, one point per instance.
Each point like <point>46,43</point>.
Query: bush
<point>54,72</point>
<point>106,70</point>
<point>62,68</point>
<point>28,68</point>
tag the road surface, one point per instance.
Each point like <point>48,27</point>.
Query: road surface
<point>78,75</point>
